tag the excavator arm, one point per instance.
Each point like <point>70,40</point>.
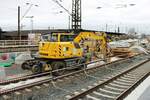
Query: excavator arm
<point>99,39</point>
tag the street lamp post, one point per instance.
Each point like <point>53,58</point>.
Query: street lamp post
<point>21,28</point>
<point>19,32</point>
<point>69,22</point>
<point>20,19</point>
<point>31,20</point>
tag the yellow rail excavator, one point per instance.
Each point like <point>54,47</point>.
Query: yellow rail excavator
<point>66,51</point>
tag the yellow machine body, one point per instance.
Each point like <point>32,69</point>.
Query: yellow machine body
<point>67,50</point>
<point>59,48</point>
<point>69,45</point>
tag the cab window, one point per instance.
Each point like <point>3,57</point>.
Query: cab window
<point>66,38</point>
<point>54,38</point>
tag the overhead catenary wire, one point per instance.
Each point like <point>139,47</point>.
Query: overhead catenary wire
<point>27,10</point>
<point>62,7</point>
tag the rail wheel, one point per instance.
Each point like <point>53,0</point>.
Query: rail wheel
<point>25,66</point>
<point>56,66</point>
<point>36,69</point>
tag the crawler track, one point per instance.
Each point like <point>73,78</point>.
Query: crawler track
<point>115,88</point>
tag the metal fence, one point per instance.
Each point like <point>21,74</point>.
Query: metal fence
<point>13,43</point>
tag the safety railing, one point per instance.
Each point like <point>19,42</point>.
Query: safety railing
<point>14,43</point>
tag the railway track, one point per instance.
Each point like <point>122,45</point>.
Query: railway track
<point>13,90</point>
<point>115,88</point>
<point>31,76</point>
<point>23,78</point>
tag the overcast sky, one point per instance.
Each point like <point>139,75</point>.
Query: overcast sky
<point>113,13</point>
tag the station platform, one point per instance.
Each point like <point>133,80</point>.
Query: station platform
<point>142,92</point>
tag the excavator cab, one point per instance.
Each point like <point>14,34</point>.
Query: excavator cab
<point>59,46</point>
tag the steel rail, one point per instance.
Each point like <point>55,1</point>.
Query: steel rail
<point>84,93</point>
<point>30,76</point>
<point>131,88</point>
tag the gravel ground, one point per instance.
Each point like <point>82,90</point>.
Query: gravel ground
<point>61,91</point>
<point>13,72</point>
